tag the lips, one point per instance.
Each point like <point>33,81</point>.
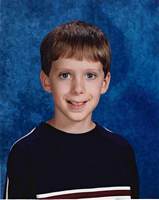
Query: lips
<point>77,103</point>
<point>77,106</point>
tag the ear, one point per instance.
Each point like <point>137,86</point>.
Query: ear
<point>45,82</point>
<point>105,84</point>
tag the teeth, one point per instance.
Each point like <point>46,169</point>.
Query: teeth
<point>77,103</point>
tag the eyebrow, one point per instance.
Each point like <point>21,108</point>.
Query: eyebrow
<point>70,69</point>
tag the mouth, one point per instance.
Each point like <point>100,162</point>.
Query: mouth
<point>77,105</point>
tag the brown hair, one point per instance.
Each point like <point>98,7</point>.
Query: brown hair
<point>78,40</point>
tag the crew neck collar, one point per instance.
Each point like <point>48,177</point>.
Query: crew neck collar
<point>61,132</point>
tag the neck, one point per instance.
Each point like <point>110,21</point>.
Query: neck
<point>76,127</point>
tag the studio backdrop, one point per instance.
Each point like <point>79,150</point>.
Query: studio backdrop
<point>130,107</point>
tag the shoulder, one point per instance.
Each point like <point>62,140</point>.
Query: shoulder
<point>28,141</point>
<point>114,140</point>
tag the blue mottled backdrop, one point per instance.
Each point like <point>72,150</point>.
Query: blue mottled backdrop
<point>131,106</point>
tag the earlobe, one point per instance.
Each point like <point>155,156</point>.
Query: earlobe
<point>45,82</point>
<point>106,83</point>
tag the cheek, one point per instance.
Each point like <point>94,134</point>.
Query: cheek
<point>60,88</point>
<point>95,93</point>
<point>95,87</point>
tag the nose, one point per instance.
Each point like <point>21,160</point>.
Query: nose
<point>78,86</point>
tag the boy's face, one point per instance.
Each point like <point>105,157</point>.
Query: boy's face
<point>76,87</point>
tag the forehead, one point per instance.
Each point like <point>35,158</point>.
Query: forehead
<point>74,64</point>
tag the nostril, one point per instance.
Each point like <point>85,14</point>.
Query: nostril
<point>78,87</point>
<point>69,101</point>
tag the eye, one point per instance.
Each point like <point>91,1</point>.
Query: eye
<point>91,76</point>
<point>64,75</point>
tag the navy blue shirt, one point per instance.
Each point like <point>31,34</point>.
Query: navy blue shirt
<point>50,163</point>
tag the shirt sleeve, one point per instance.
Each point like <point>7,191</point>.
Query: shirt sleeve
<point>19,183</point>
<point>133,174</point>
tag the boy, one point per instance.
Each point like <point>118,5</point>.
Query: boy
<point>71,156</point>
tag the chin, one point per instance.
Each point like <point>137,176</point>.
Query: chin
<point>78,118</point>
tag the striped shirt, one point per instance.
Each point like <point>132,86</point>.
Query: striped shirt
<point>48,163</point>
